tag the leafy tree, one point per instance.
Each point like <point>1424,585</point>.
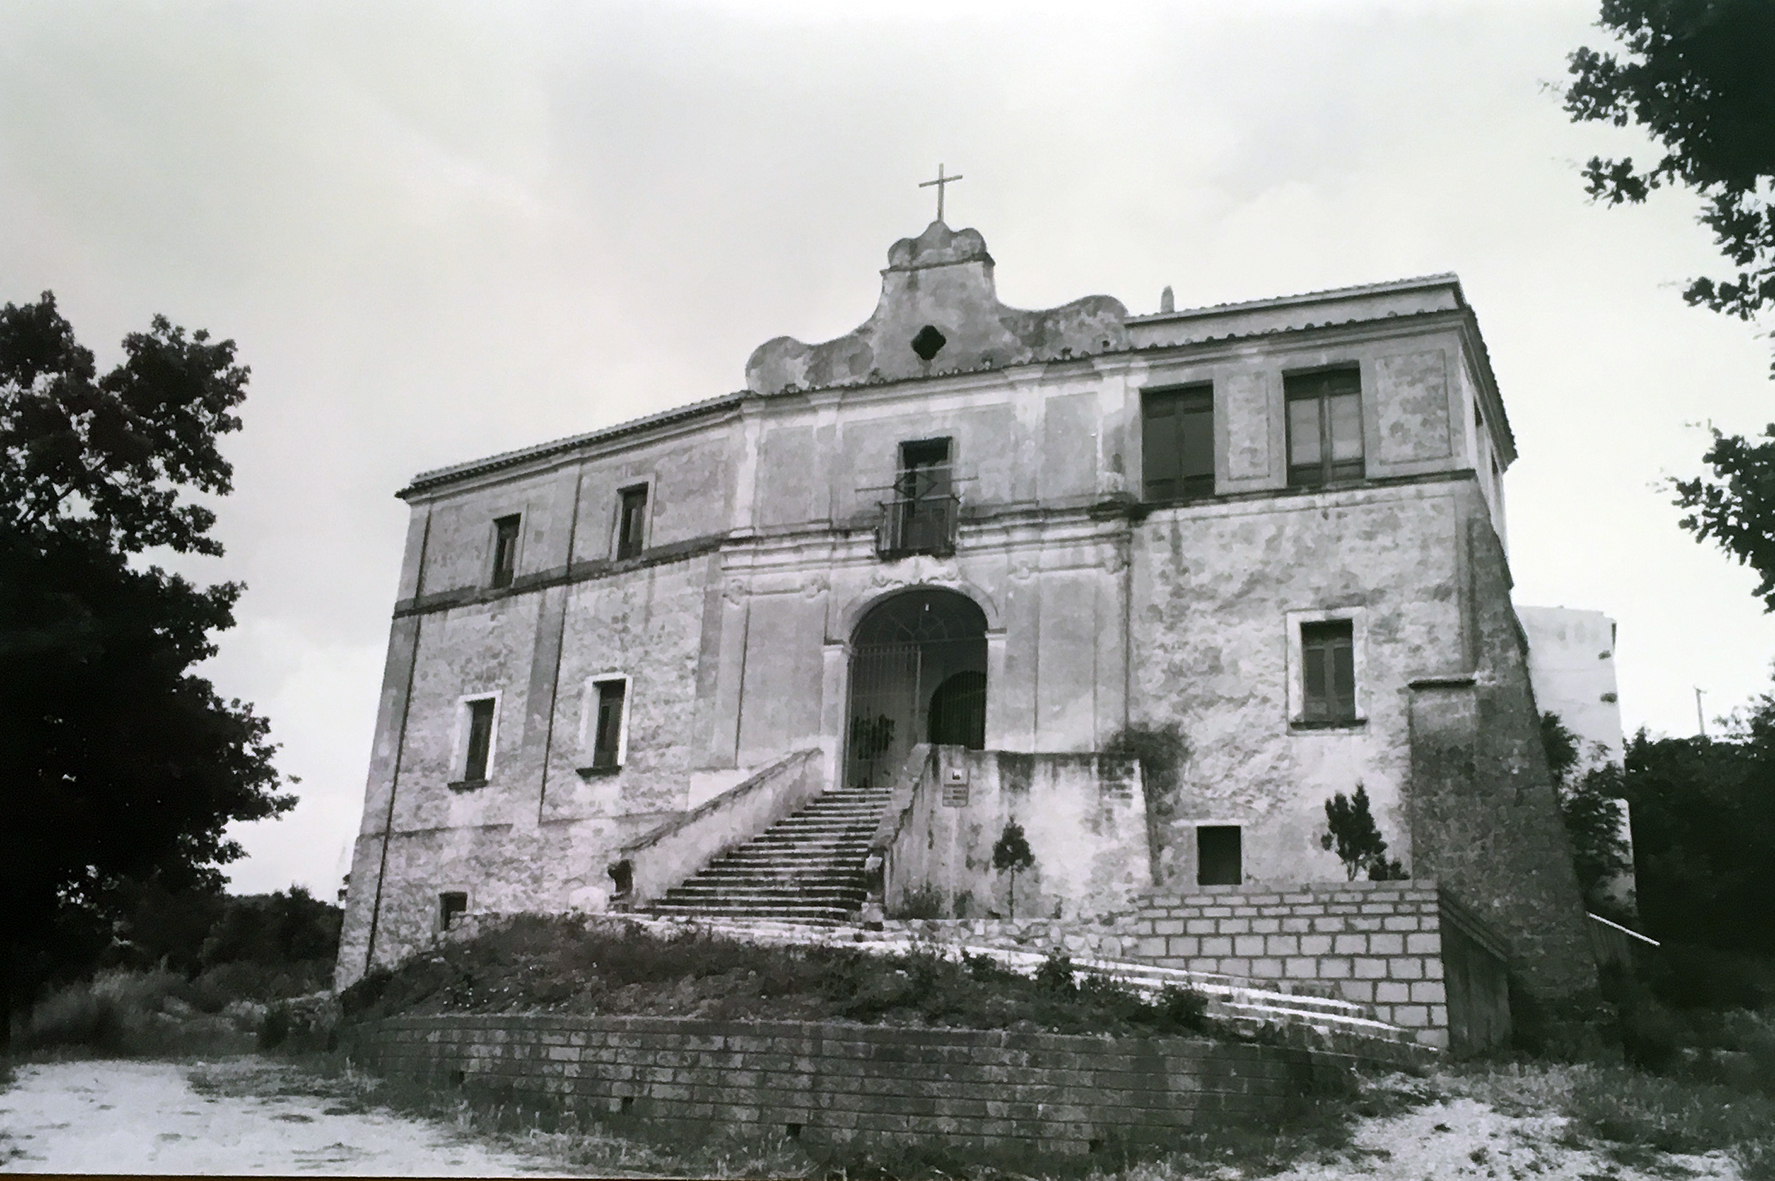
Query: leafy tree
<point>1696,78</point>
<point>1012,855</point>
<point>1350,830</point>
<point>119,764</point>
<point>274,929</point>
<point>1590,805</point>
<point>1704,835</point>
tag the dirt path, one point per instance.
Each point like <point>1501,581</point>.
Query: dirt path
<point>244,1115</point>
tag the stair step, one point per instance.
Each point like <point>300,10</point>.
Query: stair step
<point>806,868</point>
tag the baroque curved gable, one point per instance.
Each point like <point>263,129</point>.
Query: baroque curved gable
<point>939,312</point>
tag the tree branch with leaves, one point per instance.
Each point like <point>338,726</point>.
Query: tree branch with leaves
<point>119,762</point>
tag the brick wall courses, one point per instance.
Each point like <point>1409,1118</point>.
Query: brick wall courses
<point>961,1090</point>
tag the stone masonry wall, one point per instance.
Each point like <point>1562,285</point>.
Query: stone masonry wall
<point>1376,943</point>
<point>1020,1094</point>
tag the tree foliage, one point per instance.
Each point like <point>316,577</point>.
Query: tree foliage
<point>1350,832</point>
<point>1012,854</point>
<point>1704,835</point>
<point>119,763</point>
<point>1590,789</point>
<point>1696,77</point>
<point>272,929</point>
<point>1735,506</point>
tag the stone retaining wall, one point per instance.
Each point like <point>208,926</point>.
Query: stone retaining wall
<point>1022,1094</point>
<point>1386,944</point>
<point>1410,949</point>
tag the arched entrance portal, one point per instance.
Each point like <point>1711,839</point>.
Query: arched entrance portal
<point>918,674</point>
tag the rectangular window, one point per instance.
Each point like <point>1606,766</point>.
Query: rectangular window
<point>1328,671</point>
<point>1324,427</point>
<point>607,725</point>
<point>480,740</point>
<point>631,523</point>
<point>1219,861</point>
<point>924,501</point>
<point>505,550</point>
<point>1177,443</point>
<point>450,904</point>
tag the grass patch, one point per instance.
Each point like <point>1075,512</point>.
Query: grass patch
<point>555,964</point>
<point>1676,1114</point>
<point>1674,1081</point>
<point>154,1013</point>
<point>126,1014</point>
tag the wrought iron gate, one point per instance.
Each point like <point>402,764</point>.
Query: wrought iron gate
<point>917,674</point>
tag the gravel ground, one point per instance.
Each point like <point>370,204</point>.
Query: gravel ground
<point>243,1115</point>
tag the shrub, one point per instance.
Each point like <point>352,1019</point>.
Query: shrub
<point>1012,855</point>
<point>1186,1008</point>
<point>1651,1035</point>
<point>120,1013</point>
<point>274,1027</point>
<point>1055,974</point>
<point>1688,976</point>
<point>926,902</point>
<point>82,1016</point>
<point>1351,832</point>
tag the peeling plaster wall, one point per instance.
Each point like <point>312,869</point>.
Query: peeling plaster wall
<point>1214,586</point>
<point>1084,816</point>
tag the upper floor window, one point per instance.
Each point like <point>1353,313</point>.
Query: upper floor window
<point>505,550</point>
<point>1328,671</point>
<point>921,519</point>
<point>479,747</point>
<point>1324,426</point>
<point>1177,442</point>
<point>631,524</point>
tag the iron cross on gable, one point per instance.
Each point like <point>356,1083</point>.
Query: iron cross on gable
<point>940,182</point>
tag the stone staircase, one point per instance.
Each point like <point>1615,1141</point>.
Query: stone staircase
<point>806,868</point>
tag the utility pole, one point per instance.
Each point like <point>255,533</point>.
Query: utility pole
<point>1700,720</point>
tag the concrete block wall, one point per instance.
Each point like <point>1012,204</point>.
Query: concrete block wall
<point>1019,1094</point>
<point>1377,943</point>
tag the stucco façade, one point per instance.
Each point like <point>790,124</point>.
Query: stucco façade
<point>718,562</point>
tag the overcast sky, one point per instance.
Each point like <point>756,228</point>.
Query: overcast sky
<point>438,231</point>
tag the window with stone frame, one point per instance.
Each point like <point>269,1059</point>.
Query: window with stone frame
<point>1177,442</point>
<point>451,904</point>
<point>1328,672</point>
<point>505,550</point>
<point>607,724</point>
<point>1324,426</point>
<point>631,523</point>
<point>478,750</point>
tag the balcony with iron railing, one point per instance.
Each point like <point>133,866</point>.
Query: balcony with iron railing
<point>920,517</point>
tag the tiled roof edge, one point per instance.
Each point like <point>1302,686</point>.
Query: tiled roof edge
<point>444,475</point>
<point>1276,301</point>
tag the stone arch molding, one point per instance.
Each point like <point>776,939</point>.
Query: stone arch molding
<point>858,605</point>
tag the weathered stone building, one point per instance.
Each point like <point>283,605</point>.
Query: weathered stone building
<point>1277,525</point>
